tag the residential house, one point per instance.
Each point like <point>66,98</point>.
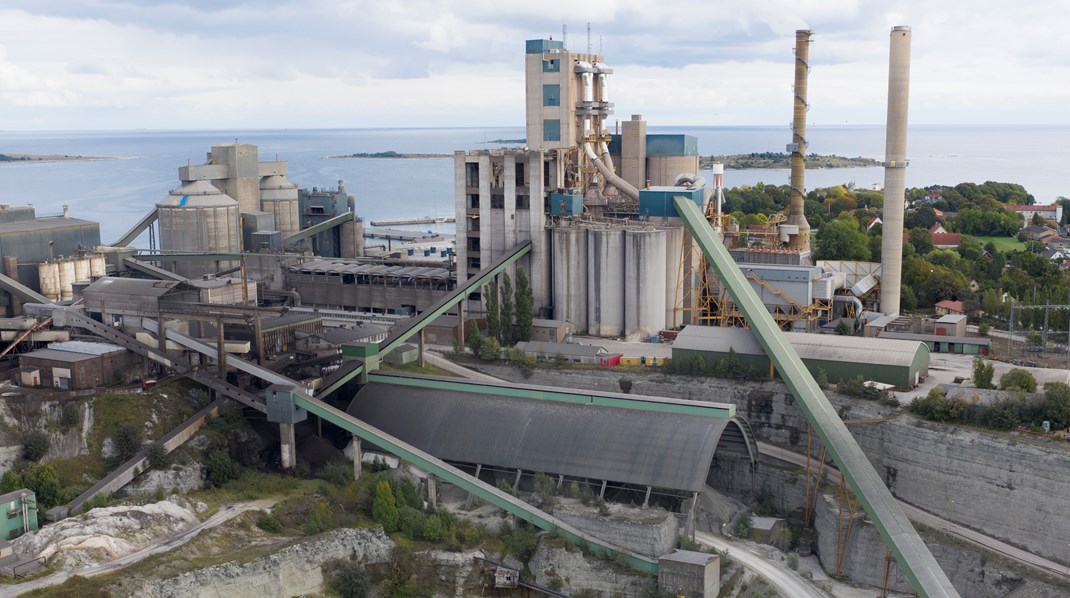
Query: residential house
<point>949,307</point>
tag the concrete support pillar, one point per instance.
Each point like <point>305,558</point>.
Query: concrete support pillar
<point>356,458</point>
<point>288,448</point>
<point>460,323</point>
<point>11,268</point>
<point>646,499</point>
<point>221,353</point>
<point>690,533</point>
<point>432,491</point>
<point>261,353</point>
<point>516,482</point>
<point>471,497</point>
<point>421,358</point>
<point>602,492</point>
<point>560,480</point>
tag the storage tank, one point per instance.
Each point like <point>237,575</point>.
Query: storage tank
<point>48,275</point>
<point>677,287</point>
<point>644,282</point>
<point>96,266</point>
<point>67,278</point>
<point>279,197</point>
<point>82,270</point>
<point>570,276</point>
<point>199,218</point>
<point>605,282</point>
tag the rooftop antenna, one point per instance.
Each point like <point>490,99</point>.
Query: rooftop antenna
<point>599,44</point>
<point>588,37</point>
<point>564,35</point>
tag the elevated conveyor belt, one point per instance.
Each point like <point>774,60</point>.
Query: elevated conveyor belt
<point>80,319</point>
<point>141,226</point>
<point>24,292</point>
<point>924,573</point>
<point>471,484</point>
<point>318,228</point>
<point>153,271</point>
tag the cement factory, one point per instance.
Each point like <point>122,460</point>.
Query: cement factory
<point>267,294</point>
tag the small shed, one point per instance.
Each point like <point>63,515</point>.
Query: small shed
<point>767,530</point>
<point>76,365</point>
<point>551,331</point>
<point>572,353</point>
<point>950,325</point>
<point>690,574</point>
<point>405,353</point>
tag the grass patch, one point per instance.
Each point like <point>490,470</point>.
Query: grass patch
<point>1003,244</point>
<point>75,587</point>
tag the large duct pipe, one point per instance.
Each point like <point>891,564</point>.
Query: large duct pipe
<point>686,179</point>
<point>796,214</point>
<point>895,151</point>
<point>585,68</point>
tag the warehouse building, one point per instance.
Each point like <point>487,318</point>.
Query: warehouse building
<point>902,363</point>
<point>77,365</point>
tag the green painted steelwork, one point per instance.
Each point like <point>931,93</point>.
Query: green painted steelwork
<point>318,228</point>
<point>922,570</point>
<point>614,400</point>
<point>484,491</point>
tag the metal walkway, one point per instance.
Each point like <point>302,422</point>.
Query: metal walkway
<point>924,573</point>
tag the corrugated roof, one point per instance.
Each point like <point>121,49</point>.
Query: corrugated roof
<point>580,440</point>
<point>111,285</point>
<point>47,223</point>
<point>56,355</point>
<point>562,348</point>
<point>689,557</point>
<point>336,267</point>
<point>829,347</point>
<point>86,348</point>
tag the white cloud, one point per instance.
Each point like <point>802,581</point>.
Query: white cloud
<point>323,63</point>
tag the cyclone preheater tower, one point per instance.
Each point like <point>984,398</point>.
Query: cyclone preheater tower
<point>895,164</point>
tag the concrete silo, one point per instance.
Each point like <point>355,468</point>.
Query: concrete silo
<point>570,275</point>
<point>605,281</point>
<point>645,283</point>
<point>278,197</point>
<point>198,218</point>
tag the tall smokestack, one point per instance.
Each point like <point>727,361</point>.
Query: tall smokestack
<point>796,217</point>
<point>895,153</point>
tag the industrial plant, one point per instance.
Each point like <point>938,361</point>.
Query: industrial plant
<point>273,296</point>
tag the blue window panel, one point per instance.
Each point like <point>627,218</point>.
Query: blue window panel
<point>551,66</point>
<point>551,129</point>
<point>551,95</point>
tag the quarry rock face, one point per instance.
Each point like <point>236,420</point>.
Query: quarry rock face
<point>293,571</point>
<point>568,569</point>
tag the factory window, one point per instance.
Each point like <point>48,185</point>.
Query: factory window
<point>520,182</point>
<point>473,264</point>
<point>316,210</point>
<point>471,174</point>
<point>551,129</point>
<point>551,66</point>
<point>473,225</point>
<point>522,202</point>
<point>551,95</point>
<point>473,243</point>
<point>473,201</point>
<point>497,201</point>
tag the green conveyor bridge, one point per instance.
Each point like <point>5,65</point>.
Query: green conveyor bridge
<point>922,570</point>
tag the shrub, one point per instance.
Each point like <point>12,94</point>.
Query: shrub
<point>743,526</point>
<point>545,489</point>
<point>411,522</point>
<point>506,487</point>
<point>42,479</point>
<point>521,542</point>
<point>982,373</point>
<point>1057,404</point>
<point>320,518</point>
<point>11,482</point>
<point>983,328</point>
<point>474,339</point>
<point>405,494</point>
<point>625,384</point>
<point>157,457</point>
<point>489,349</point>
<point>127,439</point>
<point>35,444</point>
<point>384,507</point>
<point>527,366</point>
<point>822,379</point>
<point>793,561</point>
<point>348,578</point>
<point>268,523</point>
<point>69,416</point>
<point>434,530</point>
<point>219,468</point>
<point>1019,379</point>
<point>160,495</point>
<point>560,360</point>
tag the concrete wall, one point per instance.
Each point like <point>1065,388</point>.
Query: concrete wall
<point>653,532</point>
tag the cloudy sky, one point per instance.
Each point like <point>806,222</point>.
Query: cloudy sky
<point>203,64</point>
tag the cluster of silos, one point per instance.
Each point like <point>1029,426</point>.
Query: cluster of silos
<point>57,277</point>
<point>199,218</point>
<point>278,197</point>
<point>614,280</point>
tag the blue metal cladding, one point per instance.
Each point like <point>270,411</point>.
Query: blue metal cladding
<point>657,201</point>
<point>566,204</point>
<point>542,46</point>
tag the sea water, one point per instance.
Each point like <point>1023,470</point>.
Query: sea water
<point>118,192</point>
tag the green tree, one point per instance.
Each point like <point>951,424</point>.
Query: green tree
<point>489,349</point>
<point>1057,404</point>
<point>921,239</point>
<point>11,482</point>
<point>474,340</point>
<point>1018,379</point>
<point>908,302</point>
<point>42,479</point>
<point>525,307</point>
<point>434,530</point>
<point>348,579</point>
<point>982,373</point>
<point>320,518</point>
<point>507,304</point>
<point>842,239</point>
<point>625,384</point>
<point>35,444</point>
<point>70,416</point>
<point>490,293</point>
<point>384,507</point>
<point>127,439</point>
<point>219,468</point>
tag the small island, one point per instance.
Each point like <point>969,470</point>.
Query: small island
<point>772,160</point>
<point>389,155</point>
<point>508,141</point>
<point>50,158</point>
